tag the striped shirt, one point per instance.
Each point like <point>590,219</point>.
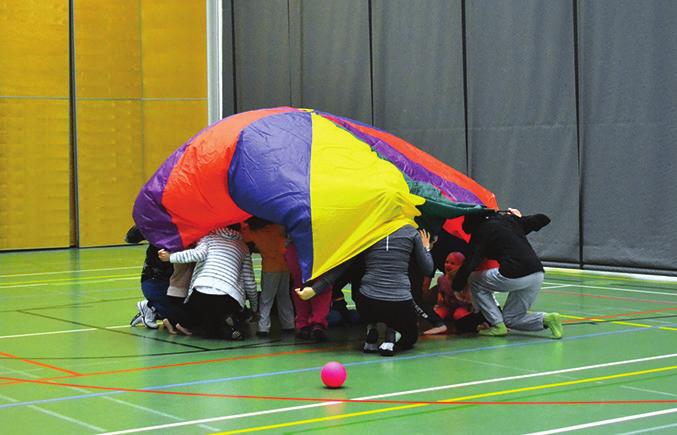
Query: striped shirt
<point>223,266</point>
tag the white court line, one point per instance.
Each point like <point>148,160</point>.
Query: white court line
<point>645,390</point>
<point>57,415</point>
<point>663,278</point>
<point>605,422</point>
<point>380,396</point>
<point>45,411</point>
<point>144,408</point>
<point>21,285</point>
<point>66,331</point>
<point>110,399</point>
<point>649,429</point>
<point>623,289</point>
<point>547,286</point>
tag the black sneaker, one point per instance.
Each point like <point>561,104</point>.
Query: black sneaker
<point>230,333</point>
<point>303,333</point>
<point>262,334</point>
<point>319,334</point>
<point>237,335</point>
<point>370,343</point>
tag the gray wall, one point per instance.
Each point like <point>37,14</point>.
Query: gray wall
<point>564,107</point>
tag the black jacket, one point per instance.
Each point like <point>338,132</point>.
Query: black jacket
<point>153,267</point>
<point>502,237</point>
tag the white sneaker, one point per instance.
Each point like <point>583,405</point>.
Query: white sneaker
<point>387,348</point>
<point>147,314</point>
<point>135,320</point>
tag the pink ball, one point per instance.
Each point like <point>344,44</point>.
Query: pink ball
<point>333,374</point>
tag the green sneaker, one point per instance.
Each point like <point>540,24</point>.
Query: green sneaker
<point>498,330</point>
<point>553,322</point>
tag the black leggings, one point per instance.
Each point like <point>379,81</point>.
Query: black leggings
<point>176,311</point>
<point>423,310</point>
<point>208,314</point>
<point>398,315</point>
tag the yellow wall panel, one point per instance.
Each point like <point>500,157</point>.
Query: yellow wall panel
<point>33,48</point>
<point>141,87</point>
<point>107,49</point>
<point>34,173</point>
<point>35,208</point>
<point>186,119</point>
<point>174,51</point>
<point>110,165</point>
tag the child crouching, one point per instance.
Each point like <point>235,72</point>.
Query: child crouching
<point>223,278</point>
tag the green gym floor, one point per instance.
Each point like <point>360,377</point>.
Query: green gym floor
<point>70,363</point>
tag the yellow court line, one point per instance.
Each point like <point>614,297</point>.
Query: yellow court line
<point>632,324</point>
<point>455,399</point>
<point>67,280</point>
<point>640,325</point>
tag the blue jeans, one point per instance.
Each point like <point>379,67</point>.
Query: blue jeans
<point>155,291</point>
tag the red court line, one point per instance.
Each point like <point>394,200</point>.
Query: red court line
<point>617,298</point>
<point>165,366</point>
<point>620,315</point>
<point>29,361</point>
<point>191,363</point>
<point>324,399</point>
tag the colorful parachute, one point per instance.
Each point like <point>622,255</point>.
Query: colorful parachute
<point>337,185</point>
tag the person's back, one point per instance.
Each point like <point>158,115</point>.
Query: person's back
<point>503,238</point>
<point>222,263</point>
<point>520,273</point>
<point>270,241</point>
<point>222,279</point>
<point>385,289</point>
<point>387,265</point>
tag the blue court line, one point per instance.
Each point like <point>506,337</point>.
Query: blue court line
<point>531,341</point>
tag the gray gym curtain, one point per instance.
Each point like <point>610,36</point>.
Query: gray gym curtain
<point>522,113</point>
<point>418,75</point>
<point>262,54</point>
<point>334,64</point>
<point>305,53</point>
<point>399,65</point>
<point>628,74</point>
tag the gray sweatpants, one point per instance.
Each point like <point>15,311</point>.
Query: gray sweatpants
<point>275,285</point>
<point>522,293</point>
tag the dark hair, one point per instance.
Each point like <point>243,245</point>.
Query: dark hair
<point>472,221</point>
<point>134,235</point>
<point>256,223</point>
